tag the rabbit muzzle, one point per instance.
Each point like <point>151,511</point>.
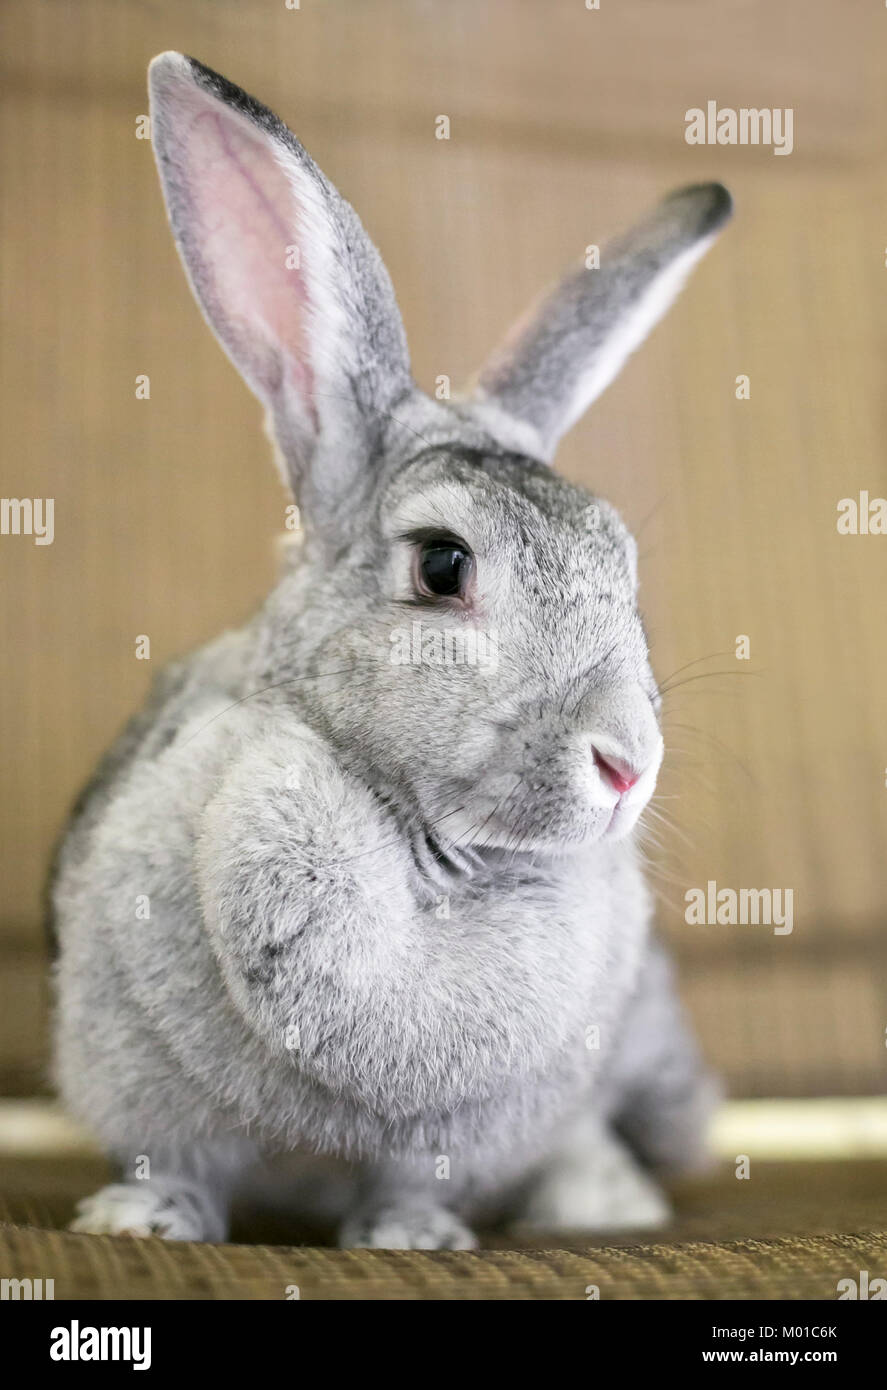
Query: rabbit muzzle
<point>556,784</point>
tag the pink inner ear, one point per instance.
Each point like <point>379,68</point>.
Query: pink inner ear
<point>244,223</point>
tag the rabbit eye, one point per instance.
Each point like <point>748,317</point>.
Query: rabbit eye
<point>444,569</point>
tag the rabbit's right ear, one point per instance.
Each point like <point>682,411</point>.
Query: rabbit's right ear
<point>570,347</point>
<point>286,277</point>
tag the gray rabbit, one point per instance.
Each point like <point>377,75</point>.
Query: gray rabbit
<point>360,882</point>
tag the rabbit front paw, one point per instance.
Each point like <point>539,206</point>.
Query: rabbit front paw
<point>150,1208</point>
<point>406,1228</point>
<point>603,1188</point>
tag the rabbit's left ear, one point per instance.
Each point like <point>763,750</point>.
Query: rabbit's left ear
<point>571,346</point>
<point>286,277</point>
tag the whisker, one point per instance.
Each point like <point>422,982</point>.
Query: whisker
<point>667,687</point>
<point>277,685</point>
<point>389,844</point>
<point>719,744</point>
<point>686,667</point>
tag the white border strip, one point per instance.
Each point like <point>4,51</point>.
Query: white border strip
<point>851,1127</point>
<point>41,1129</point>
<point>828,1128</point>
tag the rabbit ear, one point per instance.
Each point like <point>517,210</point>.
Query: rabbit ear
<point>569,348</point>
<point>285,274</point>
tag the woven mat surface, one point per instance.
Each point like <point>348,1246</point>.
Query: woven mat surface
<point>790,1232</point>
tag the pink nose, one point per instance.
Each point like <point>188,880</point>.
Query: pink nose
<point>616,771</point>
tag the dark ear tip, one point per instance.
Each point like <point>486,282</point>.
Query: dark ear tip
<point>710,203</point>
<point>171,60</point>
<point>202,73</point>
<point>171,67</point>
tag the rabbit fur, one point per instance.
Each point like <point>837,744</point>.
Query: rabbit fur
<point>392,911</point>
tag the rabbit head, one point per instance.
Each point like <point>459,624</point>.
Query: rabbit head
<point>463,623</point>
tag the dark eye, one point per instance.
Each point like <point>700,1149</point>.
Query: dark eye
<point>444,568</point>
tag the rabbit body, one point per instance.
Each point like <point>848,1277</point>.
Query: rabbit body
<point>322,900</point>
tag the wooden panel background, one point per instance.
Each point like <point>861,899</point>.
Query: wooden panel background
<point>566,124</point>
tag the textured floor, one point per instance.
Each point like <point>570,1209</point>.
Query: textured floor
<point>791,1231</point>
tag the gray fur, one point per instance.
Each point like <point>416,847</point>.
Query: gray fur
<point>390,904</point>
<point>554,365</point>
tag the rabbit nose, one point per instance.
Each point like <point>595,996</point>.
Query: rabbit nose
<point>619,773</point>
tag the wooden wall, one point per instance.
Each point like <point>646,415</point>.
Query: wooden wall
<point>565,124</point>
